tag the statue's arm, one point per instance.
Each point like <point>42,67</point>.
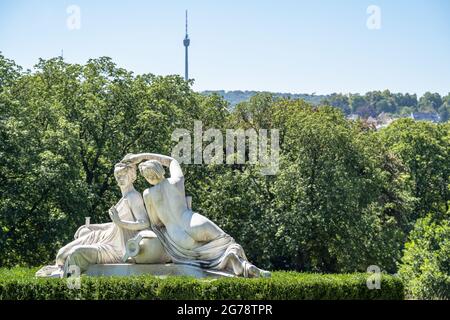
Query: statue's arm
<point>136,158</point>
<point>132,225</point>
<point>174,166</point>
<point>175,170</point>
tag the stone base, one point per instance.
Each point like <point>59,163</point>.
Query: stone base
<point>159,270</point>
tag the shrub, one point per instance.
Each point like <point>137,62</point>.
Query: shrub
<point>20,284</point>
<point>425,265</point>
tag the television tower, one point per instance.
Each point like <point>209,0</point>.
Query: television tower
<point>186,43</point>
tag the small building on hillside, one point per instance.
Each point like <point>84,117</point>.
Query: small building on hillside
<point>372,121</point>
<point>352,116</point>
<point>383,120</point>
<point>426,116</point>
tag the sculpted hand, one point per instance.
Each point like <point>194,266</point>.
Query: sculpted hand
<point>129,158</point>
<point>114,214</point>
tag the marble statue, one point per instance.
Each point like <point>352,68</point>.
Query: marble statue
<point>158,229</point>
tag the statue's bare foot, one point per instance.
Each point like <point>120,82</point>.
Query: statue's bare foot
<point>265,274</point>
<point>255,272</point>
<point>53,271</point>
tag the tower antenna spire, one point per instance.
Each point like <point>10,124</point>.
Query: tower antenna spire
<point>186,43</point>
<point>186,22</point>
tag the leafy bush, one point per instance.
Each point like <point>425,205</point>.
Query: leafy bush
<point>20,283</point>
<point>426,264</point>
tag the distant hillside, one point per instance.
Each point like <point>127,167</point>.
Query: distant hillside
<point>371,104</point>
<point>237,96</point>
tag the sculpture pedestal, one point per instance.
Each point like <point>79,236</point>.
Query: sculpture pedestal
<point>159,270</point>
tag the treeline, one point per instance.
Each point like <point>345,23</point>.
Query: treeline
<point>370,104</point>
<point>345,197</point>
<point>375,102</point>
<point>234,97</point>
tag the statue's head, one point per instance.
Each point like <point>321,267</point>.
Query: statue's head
<point>152,170</point>
<point>125,173</point>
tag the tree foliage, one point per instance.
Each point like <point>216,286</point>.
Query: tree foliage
<point>425,265</point>
<point>374,103</point>
<point>424,148</point>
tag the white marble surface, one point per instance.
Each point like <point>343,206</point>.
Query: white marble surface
<point>160,270</point>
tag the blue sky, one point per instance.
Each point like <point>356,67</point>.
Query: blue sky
<point>319,46</point>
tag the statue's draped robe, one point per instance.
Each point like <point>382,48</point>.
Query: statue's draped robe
<point>214,254</point>
<point>106,245</point>
<point>211,255</point>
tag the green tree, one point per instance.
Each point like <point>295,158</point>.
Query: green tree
<point>444,109</point>
<point>406,100</point>
<point>430,102</point>
<point>338,100</point>
<point>357,102</point>
<point>425,267</point>
<point>331,196</point>
<point>424,149</point>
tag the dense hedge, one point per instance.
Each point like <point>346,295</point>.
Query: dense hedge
<point>20,283</point>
